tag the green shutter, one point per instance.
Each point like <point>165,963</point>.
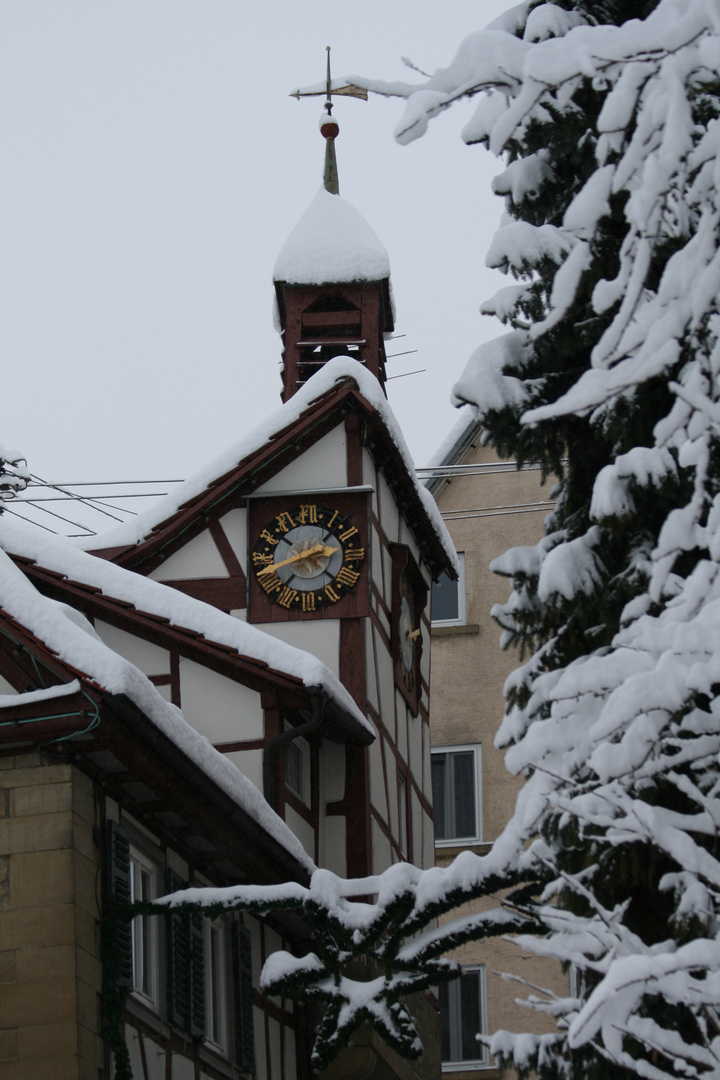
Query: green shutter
<point>196,966</point>
<point>242,964</point>
<point>185,966</point>
<point>118,885</point>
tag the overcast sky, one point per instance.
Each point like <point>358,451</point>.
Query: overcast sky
<point>153,165</point>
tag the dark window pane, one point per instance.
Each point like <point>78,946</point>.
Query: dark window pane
<point>464,777</point>
<point>445,1021</point>
<point>438,785</point>
<point>470,1016</point>
<point>444,599</point>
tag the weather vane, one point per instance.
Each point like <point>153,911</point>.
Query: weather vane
<point>344,89</point>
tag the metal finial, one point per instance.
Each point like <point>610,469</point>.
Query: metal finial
<point>328,103</point>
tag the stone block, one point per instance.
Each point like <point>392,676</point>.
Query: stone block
<point>47,1040</point>
<point>84,798</point>
<point>9,1044</point>
<point>88,968</point>
<point>87,882</point>
<point>41,798</point>
<point>8,966</point>
<point>38,926</point>
<point>26,774</point>
<point>63,1068</point>
<point>42,878</point>
<point>38,1003</point>
<point>44,832</point>
<point>40,963</point>
<point>87,931</point>
<point>83,838</point>
<point>88,1006</point>
<point>90,1046</point>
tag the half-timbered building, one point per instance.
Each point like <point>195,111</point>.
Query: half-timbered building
<point>254,652</point>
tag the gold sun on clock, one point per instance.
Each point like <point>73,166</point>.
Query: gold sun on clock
<point>307,558</point>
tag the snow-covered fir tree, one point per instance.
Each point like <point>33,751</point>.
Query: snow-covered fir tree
<point>609,374</point>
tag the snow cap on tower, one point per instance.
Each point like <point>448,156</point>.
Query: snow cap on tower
<point>332,242</point>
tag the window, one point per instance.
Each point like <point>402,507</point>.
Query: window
<point>297,768</point>
<point>215,984</point>
<point>462,1016</point>
<point>144,928</point>
<point>447,605</point>
<point>457,794</point>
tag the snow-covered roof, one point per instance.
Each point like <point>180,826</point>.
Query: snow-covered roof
<point>456,438</point>
<point>331,242</point>
<point>335,372</point>
<point>69,635</point>
<point>60,556</point>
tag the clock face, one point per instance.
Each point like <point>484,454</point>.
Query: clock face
<point>408,634</point>
<point>308,557</point>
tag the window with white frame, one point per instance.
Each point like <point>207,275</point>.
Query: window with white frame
<point>463,1017</point>
<point>456,781</point>
<point>216,984</point>
<point>143,878</point>
<point>297,768</point>
<point>447,604</point>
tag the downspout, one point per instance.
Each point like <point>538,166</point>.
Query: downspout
<point>318,706</point>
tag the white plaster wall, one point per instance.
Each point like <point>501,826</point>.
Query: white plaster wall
<point>259,1038</point>
<point>220,709</point>
<point>392,789</point>
<point>164,691</point>
<point>6,687</point>
<point>332,850</point>
<point>234,525</point>
<point>427,766</point>
<point>402,710</point>
<point>381,852</point>
<point>389,517</point>
<point>275,1048</point>
<point>321,637</point>
<point>302,829</point>
<point>387,560</point>
<point>323,465</point>
<point>154,1055</point>
<point>387,683</point>
<point>249,762</point>
<point>416,823</point>
<point>182,1069</point>
<point>377,780</point>
<point>371,679</point>
<point>290,1057</point>
<point>415,726</point>
<point>151,659</point>
<point>332,771</point>
<point>428,841</point>
<point>369,472</point>
<point>406,537</point>
<point>199,558</point>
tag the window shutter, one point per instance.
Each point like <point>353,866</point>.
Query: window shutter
<point>185,966</point>
<point>242,964</point>
<point>196,929</point>
<point>118,881</point>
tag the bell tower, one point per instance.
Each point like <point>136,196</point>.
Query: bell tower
<point>332,282</point>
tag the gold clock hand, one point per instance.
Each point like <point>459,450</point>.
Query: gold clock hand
<point>309,553</point>
<point>413,634</point>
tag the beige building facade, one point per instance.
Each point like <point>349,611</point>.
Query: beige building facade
<point>488,506</point>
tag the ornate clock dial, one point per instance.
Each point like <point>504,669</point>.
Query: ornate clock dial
<point>408,634</point>
<point>307,558</point>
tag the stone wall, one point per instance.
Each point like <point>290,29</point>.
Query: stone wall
<point>49,923</point>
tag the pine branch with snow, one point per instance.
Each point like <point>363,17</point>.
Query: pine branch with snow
<point>608,114</point>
